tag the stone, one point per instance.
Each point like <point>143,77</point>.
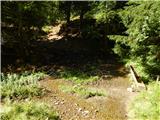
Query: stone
<point>80,109</point>
<point>85,112</point>
<point>56,103</point>
<point>129,89</point>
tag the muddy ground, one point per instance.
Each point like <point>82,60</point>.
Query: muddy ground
<point>73,107</point>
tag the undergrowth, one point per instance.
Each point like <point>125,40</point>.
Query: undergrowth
<point>83,91</point>
<point>27,111</point>
<point>146,105</point>
<point>77,76</point>
<point>21,85</point>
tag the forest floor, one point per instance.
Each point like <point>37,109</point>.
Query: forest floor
<point>114,81</point>
<point>71,106</point>
<point>113,106</point>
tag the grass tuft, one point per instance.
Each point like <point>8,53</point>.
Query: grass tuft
<point>77,76</point>
<point>83,91</point>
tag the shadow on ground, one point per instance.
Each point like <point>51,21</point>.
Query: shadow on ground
<point>73,51</point>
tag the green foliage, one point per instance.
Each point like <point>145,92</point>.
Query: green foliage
<point>28,111</point>
<point>21,86</point>
<point>142,41</point>
<point>146,106</point>
<point>138,45</point>
<point>47,29</point>
<point>30,13</point>
<point>83,91</point>
<point>120,47</point>
<point>90,33</point>
<point>77,76</point>
<point>108,18</point>
<point>103,13</point>
<point>23,22</point>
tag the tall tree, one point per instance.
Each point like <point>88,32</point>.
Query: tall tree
<point>65,7</point>
<point>143,34</point>
<point>81,7</point>
<point>22,21</point>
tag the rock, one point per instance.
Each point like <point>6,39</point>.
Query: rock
<point>62,103</point>
<point>129,89</point>
<point>80,109</point>
<point>76,104</point>
<point>96,111</point>
<point>56,103</point>
<point>63,113</point>
<point>85,112</point>
<point>27,99</point>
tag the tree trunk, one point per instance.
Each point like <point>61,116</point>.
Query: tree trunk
<point>20,50</point>
<point>81,17</point>
<point>68,12</point>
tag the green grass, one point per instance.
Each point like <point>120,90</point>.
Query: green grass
<point>80,77</point>
<point>83,91</point>
<point>77,76</point>
<point>21,85</point>
<point>24,86</point>
<point>27,111</point>
<point>146,106</point>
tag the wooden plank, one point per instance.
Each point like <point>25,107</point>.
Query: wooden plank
<point>138,82</point>
<point>133,76</point>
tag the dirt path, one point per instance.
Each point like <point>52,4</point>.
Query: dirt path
<point>71,107</point>
<point>68,106</point>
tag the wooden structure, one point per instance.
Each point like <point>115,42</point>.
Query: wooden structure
<point>138,82</point>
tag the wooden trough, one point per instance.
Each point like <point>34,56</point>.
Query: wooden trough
<point>138,83</point>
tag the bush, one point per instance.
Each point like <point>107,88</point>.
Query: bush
<point>21,86</point>
<point>28,111</point>
<point>146,106</point>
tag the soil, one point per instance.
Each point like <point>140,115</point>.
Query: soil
<point>73,107</point>
<point>114,80</point>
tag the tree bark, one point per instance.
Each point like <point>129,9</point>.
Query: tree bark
<point>68,12</point>
<point>81,17</point>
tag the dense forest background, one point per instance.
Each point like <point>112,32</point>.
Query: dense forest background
<point>129,30</point>
<point>70,60</point>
